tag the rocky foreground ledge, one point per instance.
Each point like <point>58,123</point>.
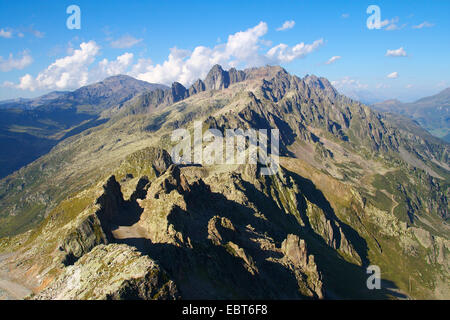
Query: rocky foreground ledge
<point>113,271</point>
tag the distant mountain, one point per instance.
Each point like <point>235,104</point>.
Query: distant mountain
<point>364,96</point>
<point>433,113</point>
<point>103,94</point>
<point>109,92</point>
<point>21,103</point>
<point>29,128</point>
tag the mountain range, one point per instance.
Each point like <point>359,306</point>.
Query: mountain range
<point>29,128</point>
<point>432,113</point>
<point>106,213</point>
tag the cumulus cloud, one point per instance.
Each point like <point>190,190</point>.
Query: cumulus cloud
<point>287,25</point>
<point>400,52</point>
<point>108,68</point>
<point>68,72</point>
<point>5,33</point>
<point>282,53</point>
<point>393,75</point>
<point>15,63</point>
<point>424,24</point>
<point>243,48</point>
<point>126,41</point>
<point>141,66</point>
<point>180,66</point>
<point>244,44</point>
<point>333,59</point>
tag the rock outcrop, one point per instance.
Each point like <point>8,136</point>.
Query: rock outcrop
<point>296,255</point>
<point>111,272</point>
<point>197,87</point>
<point>218,78</point>
<point>83,239</point>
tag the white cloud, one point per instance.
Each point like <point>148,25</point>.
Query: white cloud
<point>391,24</point>
<point>141,66</point>
<point>348,83</point>
<point>282,53</point>
<point>68,72</point>
<point>392,27</point>
<point>287,25</point>
<point>424,24</point>
<point>244,44</point>
<point>110,68</point>
<point>5,33</point>
<point>179,66</point>
<point>400,52</point>
<point>266,43</point>
<point>9,33</point>
<point>241,49</point>
<point>36,33</point>
<point>15,63</point>
<point>382,86</point>
<point>393,75</point>
<point>409,86</point>
<point>126,41</point>
<point>333,59</point>
<point>8,84</point>
<point>388,22</point>
<point>357,90</point>
<point>345,15</point>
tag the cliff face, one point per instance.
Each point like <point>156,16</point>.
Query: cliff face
<point>218,78</point>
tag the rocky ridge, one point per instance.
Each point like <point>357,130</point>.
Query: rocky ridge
<point>353,189</point>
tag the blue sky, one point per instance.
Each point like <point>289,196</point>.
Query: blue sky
<point>165,41</point>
